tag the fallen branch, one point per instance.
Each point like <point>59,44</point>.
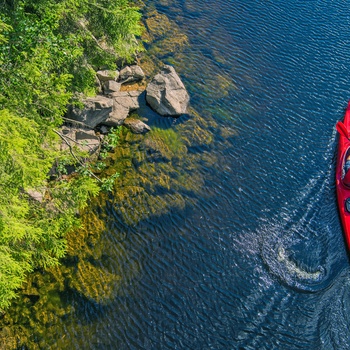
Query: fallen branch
<point>75,122</point>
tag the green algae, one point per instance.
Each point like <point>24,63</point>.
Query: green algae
<point>166,142</point>
<point>158,170</point>
<point>93,282</point>
<point>25,324</point>
<point>163,35</point>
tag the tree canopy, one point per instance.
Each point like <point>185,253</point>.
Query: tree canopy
<point>49,50</point>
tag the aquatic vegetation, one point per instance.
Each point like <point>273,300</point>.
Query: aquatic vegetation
<point>157,175</point>
<point>93,282</point>
<point>196,131</point>
<point>157,172</point>
<point>166,142</point>
<point>163,35</point>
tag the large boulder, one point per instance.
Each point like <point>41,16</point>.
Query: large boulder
<point>111,111</point>
<point>95,111</point>
<point>166,94</point>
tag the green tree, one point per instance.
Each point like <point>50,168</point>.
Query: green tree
<point>49,51</point>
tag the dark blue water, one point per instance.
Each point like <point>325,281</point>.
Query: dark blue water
<point>261,262</point>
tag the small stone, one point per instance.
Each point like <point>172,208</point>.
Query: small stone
<point>131,74</point>
<point>125,74</point>
<point>111,86</point>
<point>104,130</point>
<point>37,194</point>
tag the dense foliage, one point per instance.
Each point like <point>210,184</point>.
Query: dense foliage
<point>49,50</point>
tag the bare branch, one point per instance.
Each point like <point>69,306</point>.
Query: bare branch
<point>74,156</point>
<point>75,121</point>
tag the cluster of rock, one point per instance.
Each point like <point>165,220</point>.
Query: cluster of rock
<point>165,94</point>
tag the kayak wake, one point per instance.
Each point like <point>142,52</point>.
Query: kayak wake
<point>298,248</point>
<point>293,268</point>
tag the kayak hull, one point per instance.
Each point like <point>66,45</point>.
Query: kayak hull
<point>343,191</point>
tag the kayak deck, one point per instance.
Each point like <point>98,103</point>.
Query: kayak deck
<point>343,177</point>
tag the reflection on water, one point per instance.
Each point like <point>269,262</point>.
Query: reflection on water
<point>223,231</point>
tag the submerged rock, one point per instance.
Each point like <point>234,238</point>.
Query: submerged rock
<point>94,283</point>
<point>166,94</point>
<point>136,126</point>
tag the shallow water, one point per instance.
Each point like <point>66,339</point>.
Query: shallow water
<point>256,259</point>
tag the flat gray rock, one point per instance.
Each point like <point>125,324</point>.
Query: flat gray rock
<point>123,103</point>
<point>84,139</point>
<point>95,111</point>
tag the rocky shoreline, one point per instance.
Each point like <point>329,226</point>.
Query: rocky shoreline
<point>121,93</point>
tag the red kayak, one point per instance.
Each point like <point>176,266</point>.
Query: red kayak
<point>342,175</point>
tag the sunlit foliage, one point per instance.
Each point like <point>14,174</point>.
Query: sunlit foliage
<point>49,51</point>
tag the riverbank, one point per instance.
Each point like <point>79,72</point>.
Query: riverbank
<point>160,172</point>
